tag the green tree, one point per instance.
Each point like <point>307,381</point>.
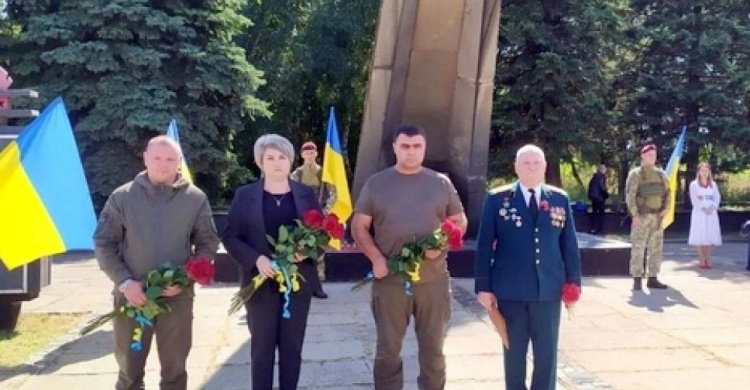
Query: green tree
<point>125,67</point>
<point>315,54</point>
<point>553,80</point>
<point>693,71</point>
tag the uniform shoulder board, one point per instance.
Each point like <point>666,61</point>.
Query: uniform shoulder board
<point>556,190</point>
<point>500,189</point>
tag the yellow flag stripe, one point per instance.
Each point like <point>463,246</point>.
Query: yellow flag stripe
<point>334,173</point>
<point>27,231</point>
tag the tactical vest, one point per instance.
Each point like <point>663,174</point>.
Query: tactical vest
<point>650,195</point>
<point>311,176</point>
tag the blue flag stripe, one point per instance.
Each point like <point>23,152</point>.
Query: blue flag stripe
<point>50,157</point>
<point>332,138</point>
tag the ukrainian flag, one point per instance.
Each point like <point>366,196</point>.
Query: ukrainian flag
<point>45,204</point>
<point>334,173</point>
<point>673,166</point>
<point>173,133</point>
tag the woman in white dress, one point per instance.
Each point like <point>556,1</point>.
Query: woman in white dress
<point>705,231</point>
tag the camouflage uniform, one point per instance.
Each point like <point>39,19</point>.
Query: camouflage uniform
<point>326,193</point>
<point>646,194</point>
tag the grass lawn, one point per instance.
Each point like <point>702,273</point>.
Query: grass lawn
<point>33,333</point>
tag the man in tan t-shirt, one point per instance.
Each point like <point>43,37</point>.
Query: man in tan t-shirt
<point>402,203</point>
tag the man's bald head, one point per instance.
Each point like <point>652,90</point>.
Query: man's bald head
<point>163,140</point>
<point>162,159</point>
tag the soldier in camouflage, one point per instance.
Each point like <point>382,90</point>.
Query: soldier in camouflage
<point>311,174</point>
<point>646,194</point>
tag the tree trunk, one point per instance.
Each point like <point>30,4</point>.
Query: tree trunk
<point>576,175</point>
<point>553,175</point>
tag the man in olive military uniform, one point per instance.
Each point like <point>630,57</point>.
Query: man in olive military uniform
<point>646,193</point>
<point>157,218</point>
<point>311,174</point>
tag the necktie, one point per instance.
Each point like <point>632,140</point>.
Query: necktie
<point>533,207</point>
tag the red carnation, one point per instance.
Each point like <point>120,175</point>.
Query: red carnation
<point>313,218</point>
<point>570,293</point>
<point>201,269</point>
<point>544,205</point>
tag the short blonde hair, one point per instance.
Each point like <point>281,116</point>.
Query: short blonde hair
<point>273,141</point>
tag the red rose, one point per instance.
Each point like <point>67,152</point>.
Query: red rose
<point>337,232</point>
<point>448,227</point>
<point>313,218</point>
<point>570,293</point>
<point>455,239</point>
<point>544,205</point>
<point>201,269</point>
<point>333,227</point>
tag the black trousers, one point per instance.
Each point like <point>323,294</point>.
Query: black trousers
<point>597,213</point>
<point>269,331</point>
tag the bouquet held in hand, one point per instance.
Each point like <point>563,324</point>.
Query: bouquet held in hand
<point>408,261</point>
<point>308,239</point>
<point>196,270</point>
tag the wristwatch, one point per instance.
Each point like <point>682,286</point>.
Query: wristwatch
<point>124,285</point>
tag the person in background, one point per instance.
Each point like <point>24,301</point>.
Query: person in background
<point>705,231</point>
<point>311,174</point>
<point>646,193</point>
<point>745,232</point>
<point>598,195</point>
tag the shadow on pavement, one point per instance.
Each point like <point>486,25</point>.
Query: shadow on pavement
<point>656,301</point>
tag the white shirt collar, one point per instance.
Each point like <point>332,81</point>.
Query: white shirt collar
<point>527,194</point>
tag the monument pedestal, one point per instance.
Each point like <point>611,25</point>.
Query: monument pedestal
<point>599,257</point>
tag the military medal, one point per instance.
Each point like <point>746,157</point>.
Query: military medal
<point>503,212</point>
<point>518,223</point>
<point>557,214</point>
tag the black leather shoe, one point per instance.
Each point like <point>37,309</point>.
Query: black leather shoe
<point>637,285</point>
<point>655,283</point>
<point>320,294</point>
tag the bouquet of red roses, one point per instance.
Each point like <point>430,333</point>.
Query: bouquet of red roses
<point>196,270</point>
<point>408,261</point>
<point>309,239</point>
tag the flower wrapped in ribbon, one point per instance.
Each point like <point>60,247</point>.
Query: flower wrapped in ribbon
<point>408,261</point>
<point>308,239</point>
<point>571,293</point>
<point>199,270</point>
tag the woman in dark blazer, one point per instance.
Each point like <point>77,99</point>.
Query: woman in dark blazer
<point>258,210</point>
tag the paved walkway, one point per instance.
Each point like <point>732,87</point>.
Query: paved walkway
<point>694,336</point>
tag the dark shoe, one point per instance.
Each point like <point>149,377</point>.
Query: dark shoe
<point>655,283</point>
<point>637,285</point>
<point>320,294</point>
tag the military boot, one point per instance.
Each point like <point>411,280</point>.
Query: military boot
<point>637,285</point>
<point>655,283</point>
